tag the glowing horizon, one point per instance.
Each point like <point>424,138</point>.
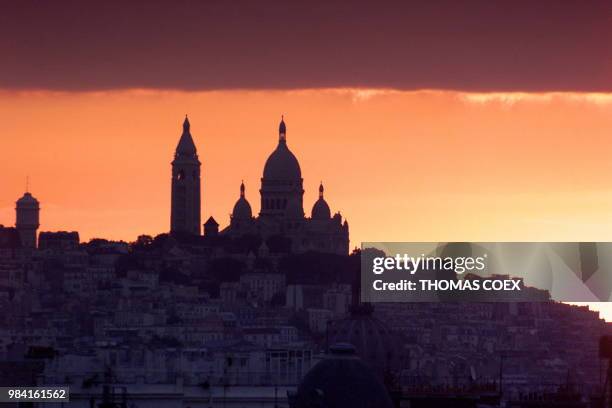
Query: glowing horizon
<point>400,165</point>
<point>43,122</point>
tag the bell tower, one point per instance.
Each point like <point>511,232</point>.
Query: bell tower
<point>185,205</point>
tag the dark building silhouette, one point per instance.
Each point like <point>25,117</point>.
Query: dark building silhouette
<point>59,240</point>
<point>27,219</point>
<point>185,213</point>
<point>211,227</point>
<point>9,238</point>
<point>282,208</point>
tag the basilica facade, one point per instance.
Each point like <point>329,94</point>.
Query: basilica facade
<point>281,202</point>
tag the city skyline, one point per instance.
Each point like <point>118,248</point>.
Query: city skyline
<point>544,200</point>
<point>534,200</point>
<point>297,204</point>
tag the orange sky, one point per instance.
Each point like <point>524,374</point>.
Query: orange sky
<point>401,166</point>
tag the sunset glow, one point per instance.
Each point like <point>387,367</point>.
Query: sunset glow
<point>266,204</point>
<point>454,166</point>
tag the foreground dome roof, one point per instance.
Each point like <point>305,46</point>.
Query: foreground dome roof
<point>373,340</point>
<point>242,208</point>
<point>282,164</point>
<point>341,380</point>
<point>320,209</point>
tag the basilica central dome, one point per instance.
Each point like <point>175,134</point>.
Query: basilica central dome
<point>281,185</point>
<point>282,165</point>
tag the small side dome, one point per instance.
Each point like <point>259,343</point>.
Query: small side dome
<point>320,209</point>
<point>242,208</point>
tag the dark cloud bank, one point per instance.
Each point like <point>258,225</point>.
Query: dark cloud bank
<point>196,45</point>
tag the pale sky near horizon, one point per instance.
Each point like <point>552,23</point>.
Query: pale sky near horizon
<point>400,165</point>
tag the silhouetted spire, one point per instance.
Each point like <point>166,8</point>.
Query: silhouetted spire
<point>242,189</point>
<point>186,146</point>
<point>282,130</point>
<point>321,190</point>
